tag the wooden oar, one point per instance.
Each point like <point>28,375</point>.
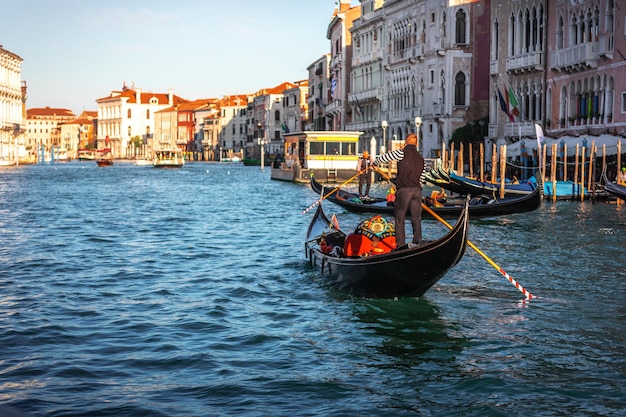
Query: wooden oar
<point>471,245</point>
<point>336,189</point>
<point>492,263</point>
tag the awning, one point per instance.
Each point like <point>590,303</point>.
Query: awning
<point>529,145</point>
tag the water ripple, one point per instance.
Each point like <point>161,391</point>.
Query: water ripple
<point>138,292</point>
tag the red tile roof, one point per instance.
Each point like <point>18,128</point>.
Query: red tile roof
<point>49,111</point>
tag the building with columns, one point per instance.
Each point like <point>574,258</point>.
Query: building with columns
<point>12,108</point>
<point>409,59</point>
<point>557,64</point>
<point>340,66</point>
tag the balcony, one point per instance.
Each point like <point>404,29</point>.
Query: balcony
<point>494,67</point>
<point>334,107</point>
<point>367,95</point>
<point>575,58</point>
<point>606,45</point>
<point>532,61</point>
<point>519,129</point>
<point>367,58</point>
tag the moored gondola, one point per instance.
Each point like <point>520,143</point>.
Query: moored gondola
<point>612,188</point>
<point>479,206</point>
<point>366,263</point>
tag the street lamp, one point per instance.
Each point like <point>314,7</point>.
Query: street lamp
<point>384,125</point>
<point>418,122</point>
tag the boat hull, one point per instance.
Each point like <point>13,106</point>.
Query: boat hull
<point>404,272</point>
<point>478,207</point>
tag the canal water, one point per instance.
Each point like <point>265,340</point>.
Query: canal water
<point>133,291</point>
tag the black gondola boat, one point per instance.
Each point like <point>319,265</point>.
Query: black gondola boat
<point>480,206</point>
<point>614,189</point>
<point>364,264</point>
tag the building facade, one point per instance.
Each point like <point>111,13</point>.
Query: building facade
<point>295,107</point>
<point>365,102</point>
<point>12,108</point>
<point>129,113</point>
<point>79,133</point>
<point>318,92</point>
<point>43,136</point>
<point>233,126</point>
<point>340,66</point>
<point>557,64</point>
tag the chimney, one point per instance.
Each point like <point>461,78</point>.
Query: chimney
<point>170,96</point>
<point>138,94</point>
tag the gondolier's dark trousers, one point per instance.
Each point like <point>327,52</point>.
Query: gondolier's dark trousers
<point>408,200</point>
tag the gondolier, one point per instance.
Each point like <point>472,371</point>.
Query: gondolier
<point>365,178</point>
<point>408,187</point>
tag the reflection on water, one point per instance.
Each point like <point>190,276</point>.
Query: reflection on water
<point>409,330</point>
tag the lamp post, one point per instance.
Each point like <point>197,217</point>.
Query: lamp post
<point>384,125</point>
<point>418,122</point>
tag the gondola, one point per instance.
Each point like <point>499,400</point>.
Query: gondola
<point>614,189</point>
<point>480,206</point>
<point>366,263</point>
<point>475,187</point>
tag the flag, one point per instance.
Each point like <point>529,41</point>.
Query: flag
<point>503,104</point>
<point>513,103</point>
<point>539,132</point>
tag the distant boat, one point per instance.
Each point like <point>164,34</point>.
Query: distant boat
<point>104,157</point>
<point>251,162</point>
<point>143,162</point>
<point>86,155</point>
<point>169,158</point>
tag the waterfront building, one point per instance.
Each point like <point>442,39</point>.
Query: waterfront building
<point>557,64</point>
<point>265,118</point>
<point>12,108</point>
<point>409,59</point>
<point>233,126</point>
<point>365,101</point>
<point>318,93</point>
<point>79,133</point>
<point>175,127</point>
<point>295,107</point>
<point>128,114</point>
<point>340,65</point>
<point>43,131</point>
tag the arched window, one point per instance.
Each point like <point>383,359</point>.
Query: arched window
<point>459,89</point>
<point>128,113</point>
<point>148,114</point>
<point>461,27</point>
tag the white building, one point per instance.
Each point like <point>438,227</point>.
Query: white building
<point>129,113</point>
<point>12,101</point>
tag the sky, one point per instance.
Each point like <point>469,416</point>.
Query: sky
<point>77,51</point>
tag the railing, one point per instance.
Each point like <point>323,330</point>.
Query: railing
<point>519,129</point>
<point>582,56</point>
<point>530,61</point>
